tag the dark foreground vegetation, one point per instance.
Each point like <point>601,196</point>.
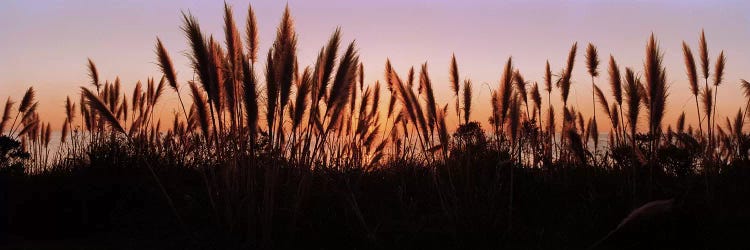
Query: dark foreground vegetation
<point>113,202</point>
<point>332,168</point>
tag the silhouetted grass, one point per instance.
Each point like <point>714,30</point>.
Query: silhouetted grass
<point>328,170</point>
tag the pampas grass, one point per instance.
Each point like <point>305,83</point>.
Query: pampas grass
<point>6,114</point>
<point>520,85</point>
<point>536,97</point>
<point>233,66</point>
<point>745,85</point>
<point>251,32</point>
<point>506,90</point>
<point>633,96</point>
<point>425,87</point>
<point>681,123</point>
<point>615,118</point>
<point>324,69</point>
<point>707,100</point>
<point>94,75</point>
<point>692,74</point>
<point>703,48</point>
<point>615,81</point>
<point>467,100</point>
<point>96,104</point>
<point>201,110</point>
<point>284,56</point>
<point>602,101</point>
<point>249,83</point>
<point>302,98</point>
<point>344,80</point>
<point>27,100</point>
<point>454,81</point>
<point>547,78</point>
<point>656,87</point>
<point>592,64</point>
<point>26,106</point>
<point>166,67</point>
<point>615,84</point>
<point>564,81</point>
<point>718,77</point>
<point>200,53</point>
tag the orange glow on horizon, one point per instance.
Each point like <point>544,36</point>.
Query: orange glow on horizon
<point>46,45</point>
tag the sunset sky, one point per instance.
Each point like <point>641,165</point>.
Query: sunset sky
<point>45,44</point>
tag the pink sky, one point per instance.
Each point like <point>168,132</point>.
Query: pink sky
<point>45,43</point>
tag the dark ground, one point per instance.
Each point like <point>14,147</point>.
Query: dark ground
<point>121,207</point>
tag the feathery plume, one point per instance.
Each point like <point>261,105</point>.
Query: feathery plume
<point>410,77</point>
<point>745,90</point>
<point>69,109</point>
<point>707,100</point>
<point>158,91</point>
<point>506,89</point>
<point>603,101</point>
<point>454,75</point>
<point>27,100</point>
<point>703,54</point>
<point>200,104</point>
<point>249,83</point>
<point>390,84</point>
<point>233,65</point>
<point>375,98</point>
<point>47,135</point>
<point>718,77</point>
<point>514,119</point>
<point>96,104</point>
<point>361,75</point>
<point>272,90</point>
<point>520,84</point>
<point>592,60</point>
<point>495,117</point>
<point>564,83</point>
<point>251,30</point>
<point>323,76</point>
<point>614,80</point>
<point>284,56</point>
<point>633,99</point>
<point>467,100</point>
<point>201,56</point>
<point>93,74</point>
<point>719,70</point>
<point>301,99</point>
<point>656,87</point>
<point>615,118</point>
<point>64,132</point>
<point>536,97</point>
<point>233,41</point>
<point>690,69</point>
<point>547,78</point>
<point>137,92</point>
<point>165,64</point>
<point>426,85</point>
<point>551,121</point>
<point>345,78</point>
<point>6,114</point>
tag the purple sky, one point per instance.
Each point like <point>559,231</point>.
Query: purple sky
<point>45,43</point>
